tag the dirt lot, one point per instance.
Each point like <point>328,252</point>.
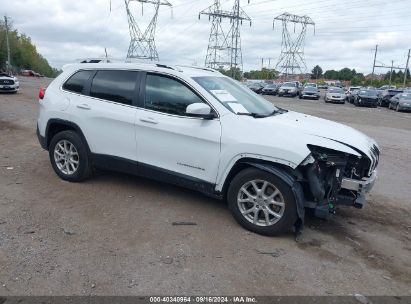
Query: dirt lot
<point>113,235</point>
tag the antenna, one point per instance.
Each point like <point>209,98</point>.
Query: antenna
<point>292,49</point>
<point>142,44</point>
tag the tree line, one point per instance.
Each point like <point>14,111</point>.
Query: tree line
<point>23,53</point>
<point>346,74</point>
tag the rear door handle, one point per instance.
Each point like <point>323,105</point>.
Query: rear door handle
<point>84,106</point>
<point>149,120</point>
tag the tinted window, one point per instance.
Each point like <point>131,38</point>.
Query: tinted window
<point>77,82</point>
<point>167,95</point>
<point>117,86</point>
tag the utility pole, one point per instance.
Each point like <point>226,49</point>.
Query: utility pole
<point>406,68</point>
<point>8,63</point>
<point>392,65</point>
<point>375,58</point>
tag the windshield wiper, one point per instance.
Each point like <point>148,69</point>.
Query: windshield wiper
<point>255,115</point>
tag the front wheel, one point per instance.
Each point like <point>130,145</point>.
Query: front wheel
<point>261,202</point>
<point>69,157</point>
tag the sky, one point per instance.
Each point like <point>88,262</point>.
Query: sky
<point>346,31</point>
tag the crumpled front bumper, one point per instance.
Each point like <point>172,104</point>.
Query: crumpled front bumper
<point>360,186</point>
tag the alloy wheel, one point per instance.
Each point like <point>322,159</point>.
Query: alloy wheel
<point>66,157</point>
<point>261,203</point>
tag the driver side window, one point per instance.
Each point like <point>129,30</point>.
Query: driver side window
<point>167,95</point>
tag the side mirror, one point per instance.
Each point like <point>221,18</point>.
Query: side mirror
<point>201,110</point>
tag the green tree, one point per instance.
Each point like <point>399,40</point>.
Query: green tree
<point>24,54</point>
<point>316,72</point>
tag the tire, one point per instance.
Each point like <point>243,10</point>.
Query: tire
<point>276,225</point>
<point>397,108</point>
<point>83,167</point>
<point>299,96</point>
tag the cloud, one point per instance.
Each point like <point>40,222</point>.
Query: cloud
<point>346,32</point>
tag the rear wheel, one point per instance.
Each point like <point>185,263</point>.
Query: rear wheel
<point>69,157</point>
<point>261,202</point>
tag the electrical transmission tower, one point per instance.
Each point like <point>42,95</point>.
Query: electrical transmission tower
<point>224,48</point>
<point>292,59</point>
<point>142,44</point>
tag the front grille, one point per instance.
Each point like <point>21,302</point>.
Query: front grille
<point>6,81</point>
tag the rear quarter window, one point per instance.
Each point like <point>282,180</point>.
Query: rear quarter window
<point>117,86</point>
<point>77,81</point>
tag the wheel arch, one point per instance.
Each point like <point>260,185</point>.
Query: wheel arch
<point>55,126</point>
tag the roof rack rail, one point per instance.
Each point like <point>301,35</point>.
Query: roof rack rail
<point>160,65</point>
<point>198,68</point>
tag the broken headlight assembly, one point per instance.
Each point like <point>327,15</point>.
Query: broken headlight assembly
<point>323,171</point>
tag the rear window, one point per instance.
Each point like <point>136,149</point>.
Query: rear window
<point>117,86</point>
<point>77,81</point>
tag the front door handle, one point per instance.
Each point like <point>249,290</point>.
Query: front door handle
<point>84,106</point>
<point>149,120</point>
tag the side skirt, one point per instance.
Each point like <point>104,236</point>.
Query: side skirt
<point>113,163</point>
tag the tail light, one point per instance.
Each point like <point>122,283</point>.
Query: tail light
<point>42,92</point>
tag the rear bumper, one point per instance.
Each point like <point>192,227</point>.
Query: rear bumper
<point>42,140</point>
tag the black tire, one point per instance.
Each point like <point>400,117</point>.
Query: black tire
<point>84,169</point>
<point>289,216</point>
<point>299,96</point>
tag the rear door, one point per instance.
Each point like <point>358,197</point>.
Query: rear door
<point>170,141</point>
<point>106,113</point>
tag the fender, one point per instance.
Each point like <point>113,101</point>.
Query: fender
<point>221,178</point>
<point>67,123</point>
<point>295,187</point>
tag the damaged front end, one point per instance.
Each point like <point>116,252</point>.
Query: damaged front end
<point>332,178</point>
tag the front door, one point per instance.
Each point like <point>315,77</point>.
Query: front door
<point>167,139</point>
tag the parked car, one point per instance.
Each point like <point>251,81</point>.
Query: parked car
<point>256,87</point>
<point>197,128</point>
<point>9,83</point>
<point>289,89</point>
<point>334,94</point>
<point>386,96</point>
<point>271,89</point>
<point>368,97</point>
<point>401,102</point>
<point>349,93</point>
<point>310,92</point>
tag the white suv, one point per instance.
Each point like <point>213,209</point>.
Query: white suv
<point>196,128</point>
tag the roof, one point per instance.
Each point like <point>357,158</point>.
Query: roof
<point>191,71</point>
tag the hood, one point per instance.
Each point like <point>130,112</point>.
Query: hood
<point>288,135</point>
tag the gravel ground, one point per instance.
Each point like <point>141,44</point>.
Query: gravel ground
<point>113,234</point>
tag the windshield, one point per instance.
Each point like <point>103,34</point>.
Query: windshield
<point>310,89</point>
<point>311,85</point>
<point>288,84</point>
<point>336,90</point>
<point>406,96</point>
<point>235,97</point>
<point>368,92</point>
